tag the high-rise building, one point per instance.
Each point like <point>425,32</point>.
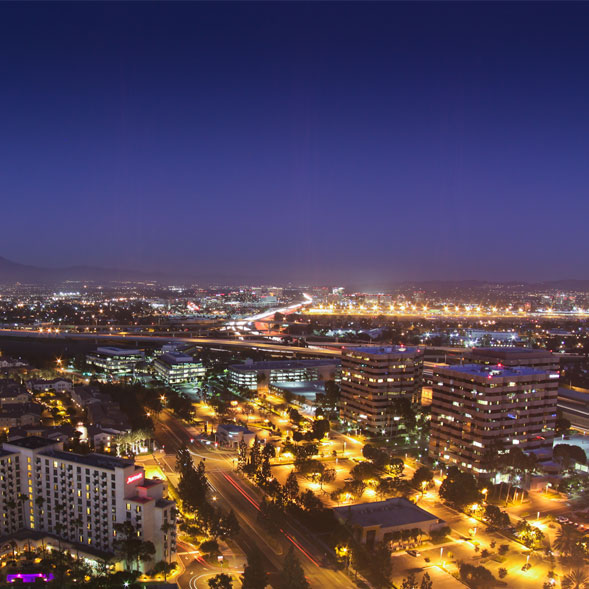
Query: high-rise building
<point>476,408</point>
<point>80,498</point>
<point>373,377</point>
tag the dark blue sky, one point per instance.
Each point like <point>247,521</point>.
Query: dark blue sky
<point>324,142</point>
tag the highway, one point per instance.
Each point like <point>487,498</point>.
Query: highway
<point>136,339</point>
<point>233,491</point>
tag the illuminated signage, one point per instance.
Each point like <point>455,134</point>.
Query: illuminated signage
<point>134,477</point>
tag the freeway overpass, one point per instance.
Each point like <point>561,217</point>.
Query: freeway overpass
<point>137,339</point>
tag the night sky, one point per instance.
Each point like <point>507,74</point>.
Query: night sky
<point>302,141</point>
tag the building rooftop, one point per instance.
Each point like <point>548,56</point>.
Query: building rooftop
<point>94,460</point>
<point>572,395</point>
<point>383,350</point>
<point>171,358</point>
<point>283,364</point>
<point>32,442</point>
<point>397,511</point>
<point>113,351</point>
<point>512,353</point>
<point>232,428</point>
<point>494,371</point>
<point>308,388</point>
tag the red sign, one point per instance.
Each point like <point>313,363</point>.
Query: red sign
<point>134,477</point>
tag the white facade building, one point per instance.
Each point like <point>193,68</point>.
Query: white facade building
<point>115,361</point>
<point>174,368</point>
<point>80,498</point>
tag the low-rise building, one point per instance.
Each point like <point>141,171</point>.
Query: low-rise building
<point>574,405</point>
<point>12,392</point>
<point>115,362</point>
<point>60,433</point>
<point>254,375</point>
<point>18,414</point>
<point>230,434</point>
<point>304,391</point>
<point>175,368</point>
<point>378,521</point>
<point>57,385</point>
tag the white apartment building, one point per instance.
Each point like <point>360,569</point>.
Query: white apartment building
<point>79,498</point>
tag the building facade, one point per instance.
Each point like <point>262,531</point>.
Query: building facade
<point>174,368</point>
<point>478,408</point>
<point>81,498</point>
<point>373,378</point>
<point>378,521</point>
<point>115,362</point>
<point>254,375</point>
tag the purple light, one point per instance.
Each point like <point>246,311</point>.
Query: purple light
<point>30,577</point>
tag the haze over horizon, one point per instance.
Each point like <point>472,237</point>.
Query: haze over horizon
<point>313,142</point>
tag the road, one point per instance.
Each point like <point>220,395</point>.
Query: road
<point>233,491</point>
<point>135,339</point>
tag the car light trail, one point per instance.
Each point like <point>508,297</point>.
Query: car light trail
<point>287,535</point>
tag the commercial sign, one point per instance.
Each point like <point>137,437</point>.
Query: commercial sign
<point>134,477</point>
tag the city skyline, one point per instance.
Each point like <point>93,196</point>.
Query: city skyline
<point>313,143</point>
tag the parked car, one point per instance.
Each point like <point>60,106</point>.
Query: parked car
<point>413,552</point>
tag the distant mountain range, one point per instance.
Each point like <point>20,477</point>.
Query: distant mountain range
<point>13,273</point>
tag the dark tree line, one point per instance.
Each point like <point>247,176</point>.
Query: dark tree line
<point>193,490</point>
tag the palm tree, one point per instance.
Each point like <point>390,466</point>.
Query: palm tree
<point>576,579</point>
<point>166,527</point>
<point>78,523</point>
<point>567,540</point>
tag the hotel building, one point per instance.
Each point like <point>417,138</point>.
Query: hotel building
<point>476,406</point>
<point>78,499</point>
<point>373,378</point>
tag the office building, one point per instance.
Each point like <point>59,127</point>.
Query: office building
<point>260,374</point>
<point>373,378</point>
<point>513,356</point>
<point>476,407</point>
<point>176,368</point>
<point>80,498</point>
<point>115,362</point>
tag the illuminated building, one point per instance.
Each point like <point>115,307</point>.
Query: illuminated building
<point>174,368</point>
<point>80,498</point>
<point>513,356</point>
<point>251,374</point>
<point>115,362</point>
<point>378,521</point>
<point>373,378</point>
<point>476,408</point>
